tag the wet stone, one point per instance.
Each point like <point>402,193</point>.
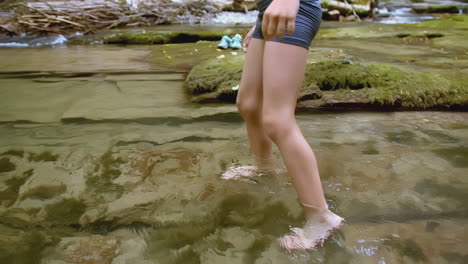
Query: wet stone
<point>457,156</point>
<point>44,156</point>
<point>13,152</point>
<point>455,258</point>
<point>432,188</point>
<point>6,165</point>
<point>408,138</point>
<point>46,182</point>
<point>23,246</point>
<point>95,249</point>
<point>440,136</point>
<point>405,242</point>
<point>370,148</point>
<point>407,248</point>
<point>65,212</point>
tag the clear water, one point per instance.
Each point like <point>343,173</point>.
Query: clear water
<point>104,159</point>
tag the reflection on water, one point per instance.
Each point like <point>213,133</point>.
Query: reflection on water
<point>119,167</point>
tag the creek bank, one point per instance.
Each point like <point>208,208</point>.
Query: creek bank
<point>168,37</point>
<point>91,16</point>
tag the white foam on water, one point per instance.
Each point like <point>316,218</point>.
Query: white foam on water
<point>14,44</point>
<point>236,17</point>
<point>37,42</point>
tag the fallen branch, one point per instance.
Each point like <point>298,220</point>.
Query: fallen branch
<point>346,8</point>
<point>65,17</point>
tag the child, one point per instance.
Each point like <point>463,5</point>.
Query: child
<point>273,72</point>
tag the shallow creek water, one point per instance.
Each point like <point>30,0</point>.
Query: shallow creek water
<point>104,159</point>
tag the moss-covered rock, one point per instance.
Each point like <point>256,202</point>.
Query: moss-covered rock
<point>407,248</point>
<point>167,37</point>
<point>23,246</point>
<point>341,82</point>
<point>99,182</point>
<point>45,192</point>
<point>44,156</point>
<point>65,212</point>
<point>436,9</point>
<point>10,194</point>
<point>457,156</point>
<point>218,76</point>
<point>6,165</point>
<point>13,152</point>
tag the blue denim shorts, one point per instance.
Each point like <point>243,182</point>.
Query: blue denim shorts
<point>308,21</point>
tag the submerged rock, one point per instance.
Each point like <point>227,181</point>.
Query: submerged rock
<point>89,250</point>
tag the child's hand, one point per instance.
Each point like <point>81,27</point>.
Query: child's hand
<point>247,38</point>
<point>279,16</point>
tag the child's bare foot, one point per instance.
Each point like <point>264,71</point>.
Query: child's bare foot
<point>238,172</point>
<point>317,229</point>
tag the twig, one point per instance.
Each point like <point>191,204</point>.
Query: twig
<point>354,12</point>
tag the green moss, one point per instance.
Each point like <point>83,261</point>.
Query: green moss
<point>10,194</point>
<point>13,152</point>
<point>408,138</point>
<point>375,83</point>
<point>407,248</point>
<point>239,209</point>
<point>440,136</point>
<point>330,145</point>
<point>454,258</point>
<point>370,148</point>
<point>166,37</point>
<point>28,173</point>
<point>214,75</point>
<point>432,188</point>
<point>363,210</point>
<point>457,156</point>
<point>6,165</point>
<point>387,85</point>
<point>436,9</point>
<point>311,91</point>
<point>419,90</point>
<point>105,171</point>
<point>334,75</point>
<point>65,212</point>
<point>44,156</point>
<point>45,192</point>
<point>25,247</point>
<point>451,22</point>
<point>457,126</point>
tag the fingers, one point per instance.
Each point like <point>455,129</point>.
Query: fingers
<point>248,36</point>
<point>291,25</point>
<point>245,44</point>
<point>281,27</point>
<point>265,23</point>
<point>271,29</point>
<point>276,26</point>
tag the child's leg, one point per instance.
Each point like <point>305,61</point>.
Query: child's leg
<point>249,101</point>
<point>283,74</point>
<point>284,68</point>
